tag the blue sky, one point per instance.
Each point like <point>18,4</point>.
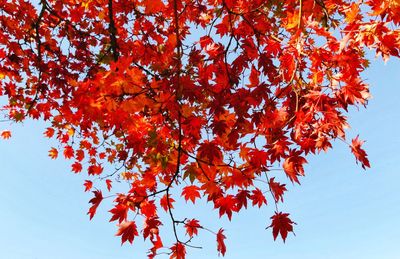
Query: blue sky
<point>341,211</point>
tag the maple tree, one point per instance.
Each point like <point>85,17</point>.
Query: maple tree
<point>191,99</point>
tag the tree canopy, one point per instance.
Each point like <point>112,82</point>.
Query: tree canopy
<point>192,99</point>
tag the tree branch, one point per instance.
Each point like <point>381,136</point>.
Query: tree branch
<point>113,31</point>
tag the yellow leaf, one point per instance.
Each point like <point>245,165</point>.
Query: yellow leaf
<point>292,20</point>
<point>86,4</point>
<point>394,3</point>
<point>71,132</point>
<point>102,15</point>
<point>353,13</point>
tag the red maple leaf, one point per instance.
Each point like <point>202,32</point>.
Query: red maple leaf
<point>127,230</point>
<point>109,184</point>
<point>258,198</point>
<point>191,193</point>
<point>178,251</point>
<point>281,224</point>
<point>254,77</point>
<point>359,152</point>
<point>68,152</point>
<point>76,167</point>
<point>164,202</point>
<point>88,185</point>
<point>210,152</point>
<point>221,247</point>
<point>148,208</point>
<point>153,6</point>
<point>128,92</point>
<point>226,205</point>
<point>95,170</point>
<point>157,244</point>
<point>241,198</point>
<point>151,227</point>
<point>277,189</point>
<point>293,167</point>
<point>120,212</point>
<point>95,201</point>
<point>192,227</point>
<point>49,132</point>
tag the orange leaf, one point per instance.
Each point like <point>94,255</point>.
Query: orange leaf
<point>353,14</point>
<point>6,134</point>
<point>53,153</point>
<point>191,193</point>
<point>292,20</point>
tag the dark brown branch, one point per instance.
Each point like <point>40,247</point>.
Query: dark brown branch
<point>113,31</point>
<point>178,49</point>
<point>39,55</point>
<point>178,165</point>
<point>37,33</point>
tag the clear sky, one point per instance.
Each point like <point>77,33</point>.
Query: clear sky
<point>341,211</point>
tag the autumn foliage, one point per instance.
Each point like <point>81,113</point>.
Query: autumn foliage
<point>190,100</point>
